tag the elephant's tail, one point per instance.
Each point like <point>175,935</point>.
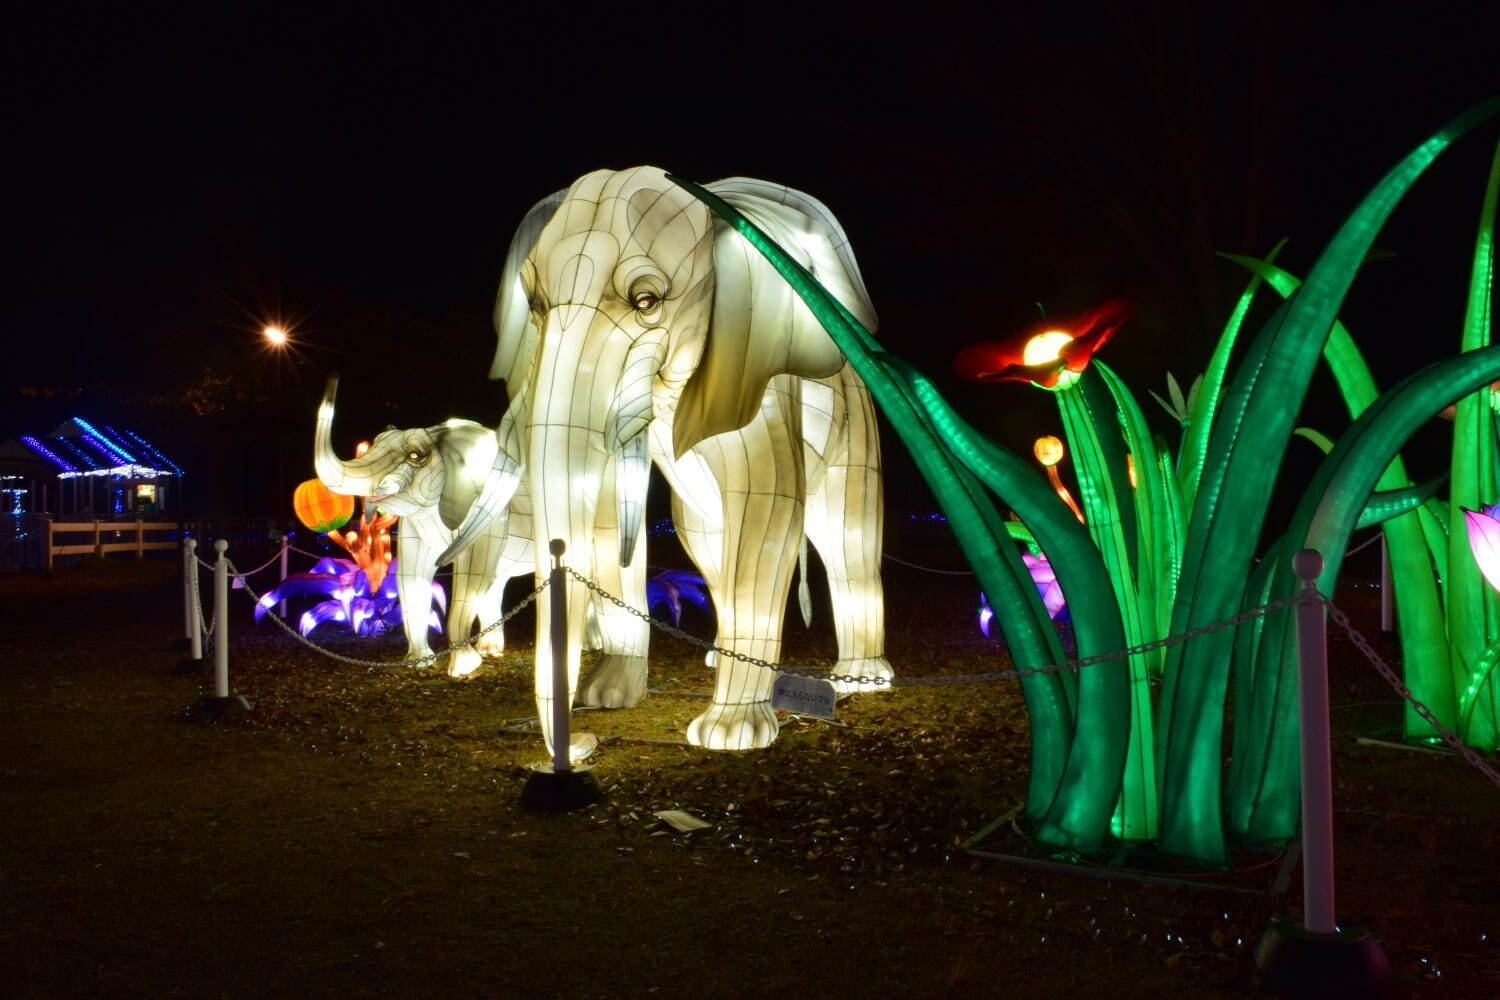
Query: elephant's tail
<point>804,593</point>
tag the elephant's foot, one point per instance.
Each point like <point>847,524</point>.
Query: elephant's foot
<point>734,727</point>
<point>491,645</point>
<point>581,746</point>
<point>877,670</point>
<point>618,680</point>
<point>463,660</point>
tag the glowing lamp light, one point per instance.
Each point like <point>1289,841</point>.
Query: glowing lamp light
<point>275,335</point>
<point>320,509</point>
<point>1048,450</point>
<point>1046,348</point>
<point>1052,358</point>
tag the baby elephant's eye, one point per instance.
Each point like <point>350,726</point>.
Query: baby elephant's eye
<point>645,301</point>
<point>416,457</point>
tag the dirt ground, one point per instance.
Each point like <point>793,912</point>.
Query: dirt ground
<point>360,833</point>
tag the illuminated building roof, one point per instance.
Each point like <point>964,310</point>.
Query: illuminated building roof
<point>79,448</point>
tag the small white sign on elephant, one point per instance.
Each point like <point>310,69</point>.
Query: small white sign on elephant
<point>803,695</point>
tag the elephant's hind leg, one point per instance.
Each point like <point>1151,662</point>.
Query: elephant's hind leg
<point>843,523</point>
<point>845,517</point>
<point>762,480</point>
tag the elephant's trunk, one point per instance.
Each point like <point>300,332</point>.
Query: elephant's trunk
<point>354,478</point>
<point>629,415</point>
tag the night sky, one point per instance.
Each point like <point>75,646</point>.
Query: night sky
<point>175,184</point>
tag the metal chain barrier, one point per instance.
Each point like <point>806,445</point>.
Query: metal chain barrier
<point>968,572</point>
<point>1379,534</point>
<point>1394,680</point>
<point>929,569</point>
<point>424,661</point>
<point>984,678</point>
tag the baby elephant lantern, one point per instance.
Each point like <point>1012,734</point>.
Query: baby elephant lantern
<point>634,327</point>
<point>429,476</point>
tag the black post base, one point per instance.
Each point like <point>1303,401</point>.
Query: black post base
<point>1295,962</point>
<point>211,709</point>
<point>547,790</point>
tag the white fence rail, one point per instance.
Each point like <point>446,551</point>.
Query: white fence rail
<point>105,537</point>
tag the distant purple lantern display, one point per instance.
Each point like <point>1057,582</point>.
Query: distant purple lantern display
<point>1046,585</point>
<point>350,600</point>
<point>670,586</point>
<point>1484,540</point>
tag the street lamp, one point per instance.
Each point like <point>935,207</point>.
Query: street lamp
<point>275,335</point>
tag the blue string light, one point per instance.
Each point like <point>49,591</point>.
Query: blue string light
<point>48,454</point>
<point>152,451</point>
<point>94,437</point>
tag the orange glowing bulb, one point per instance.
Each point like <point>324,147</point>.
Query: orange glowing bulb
<point>1048,450</point>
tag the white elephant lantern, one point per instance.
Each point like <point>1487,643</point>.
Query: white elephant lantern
<point>633,327</point>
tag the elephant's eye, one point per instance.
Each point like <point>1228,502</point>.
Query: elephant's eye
<point>416,457</point>
<point>644,302</point>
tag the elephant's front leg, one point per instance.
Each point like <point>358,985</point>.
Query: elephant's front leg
<point>577,596</point>
<point>618,678</point>
<point>463,607</point>
<point>762,528</point>
<point>703,541</point>
<point>414,572</point>
<point>515,560</point>
<point>476,598</point>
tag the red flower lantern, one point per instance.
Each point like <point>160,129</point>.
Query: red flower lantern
<point>1050,354</point>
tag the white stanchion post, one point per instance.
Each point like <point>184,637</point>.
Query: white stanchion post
<point>1317,768</point>
<point>1387,619</point>
<point>211,708</point>
<point>559,786</point>
<point>221,621</point>
<point>195,635</point>
<point>1317,957</point>
<point>561,747</point>
<point>187,593</point>
<point>281,608</point>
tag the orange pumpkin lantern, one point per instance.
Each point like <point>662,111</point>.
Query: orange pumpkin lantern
<point>319,508</point>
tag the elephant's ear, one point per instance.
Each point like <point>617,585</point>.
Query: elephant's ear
<point>513,326</point>
<point>467,451</point>
<point>760,327</point>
